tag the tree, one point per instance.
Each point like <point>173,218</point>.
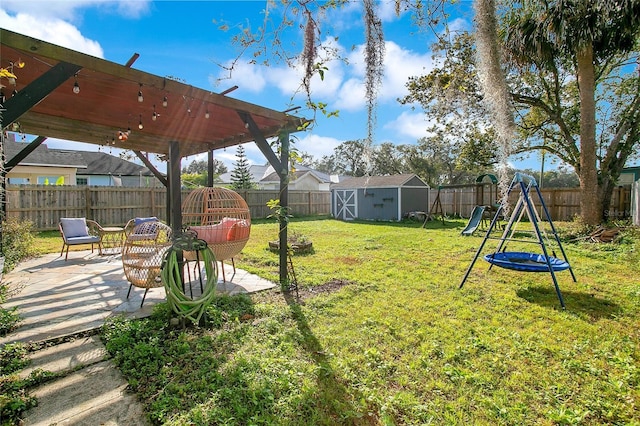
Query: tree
<point>547,85</point>
<point>241,175</point>
<point>352,158</point>
<point>202,166</point>
<point>592,42</point>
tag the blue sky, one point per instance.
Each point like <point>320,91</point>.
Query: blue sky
<point>182,39</point>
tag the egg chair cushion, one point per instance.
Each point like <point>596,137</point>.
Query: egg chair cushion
<point>238,231</point>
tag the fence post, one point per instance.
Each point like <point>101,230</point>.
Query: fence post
<point>87,203</point>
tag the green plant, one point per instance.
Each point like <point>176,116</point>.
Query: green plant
<point>9,318</point>
<point>280,213</point>
<point>14,398</point>
<point>17,242</point>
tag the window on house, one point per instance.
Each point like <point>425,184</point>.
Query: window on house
<point>18,181</point>
<point>82,181</point>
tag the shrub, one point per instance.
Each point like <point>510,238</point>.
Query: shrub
<point>17,242</point>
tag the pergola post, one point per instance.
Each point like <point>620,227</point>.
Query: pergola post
<point>284,203</point>
<point>210,169</point>
<point>174,194</point>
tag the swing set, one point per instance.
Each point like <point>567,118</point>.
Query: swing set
<point>519,260</point>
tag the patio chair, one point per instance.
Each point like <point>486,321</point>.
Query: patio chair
<point>79,230</point>
<point>143,255</point>
<point>134,231</point>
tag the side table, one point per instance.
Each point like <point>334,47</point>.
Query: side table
<point>112,239</point>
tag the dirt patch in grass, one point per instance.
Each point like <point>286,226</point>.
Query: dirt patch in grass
<point>329,287</point>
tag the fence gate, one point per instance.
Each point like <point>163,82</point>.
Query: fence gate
<point>346,205</point>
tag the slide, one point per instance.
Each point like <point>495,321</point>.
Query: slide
<point>474,220</point>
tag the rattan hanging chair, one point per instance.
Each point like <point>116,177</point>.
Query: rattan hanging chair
<point>221,217</point>
<point>142,254</point>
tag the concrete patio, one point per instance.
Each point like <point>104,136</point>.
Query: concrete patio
<point>56,298</point>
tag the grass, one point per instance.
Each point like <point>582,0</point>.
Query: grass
<point>399,343</point>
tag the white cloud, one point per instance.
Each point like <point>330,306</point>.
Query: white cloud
<point>51,30</point>
<point>410,124</point>
<point>248,77</point>
<point>68,9</point>
<point>317,145</point>
<point>399,65</point>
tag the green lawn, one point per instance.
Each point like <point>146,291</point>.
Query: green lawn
<point>399,343</point>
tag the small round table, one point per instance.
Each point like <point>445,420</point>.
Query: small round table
<point>112,239</point>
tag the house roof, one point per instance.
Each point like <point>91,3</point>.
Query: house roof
<point>89,162</point>
<point>392,181</point>
<point>271,175</point>
<point>107,103</point>
<point>101,163</point>
<point>43,156</point>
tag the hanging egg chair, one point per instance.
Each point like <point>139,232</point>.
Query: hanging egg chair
<point>143,253</point>
<point>220,217</point>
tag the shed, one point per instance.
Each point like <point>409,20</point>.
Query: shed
<point>385,198</point>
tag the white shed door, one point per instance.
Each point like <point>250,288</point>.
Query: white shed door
<point>346,205</point>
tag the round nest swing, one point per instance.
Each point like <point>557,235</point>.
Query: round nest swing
<point>526,262</point>
<point>220,217</point>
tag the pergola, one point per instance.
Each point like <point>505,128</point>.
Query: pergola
<point>69,95</point>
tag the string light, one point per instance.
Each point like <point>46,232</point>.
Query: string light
<point>140,126</point>
<point>165,101</point>
<point>154,116</point>
<point>140,97</point>
<point>206,114</point>
<point>76,86</point>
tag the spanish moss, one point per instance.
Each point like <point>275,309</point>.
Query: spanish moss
<point>494,86</point>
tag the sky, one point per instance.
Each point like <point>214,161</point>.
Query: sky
<point>192,41</point>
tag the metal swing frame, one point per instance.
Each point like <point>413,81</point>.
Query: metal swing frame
<point>525,184</point>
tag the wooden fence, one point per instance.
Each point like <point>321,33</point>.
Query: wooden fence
<point>45,205</point>
<point>563,203</point>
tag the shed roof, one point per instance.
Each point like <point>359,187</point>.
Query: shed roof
<point>391,181</point>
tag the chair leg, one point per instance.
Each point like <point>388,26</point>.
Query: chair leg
<point>67,255</point>
<point>129,292</point>
<point>224,278</point>
<point>143,296</point>
<point>233,263</point>
<point>62,251</point>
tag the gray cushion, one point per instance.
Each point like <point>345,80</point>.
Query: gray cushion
<point>83,240</point>
<point>74,227</point>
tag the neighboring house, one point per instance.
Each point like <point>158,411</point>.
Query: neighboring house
<point>45,166</point>
<point>107,170</point>
<point>628,175</point>
<point>303,179</point>
<point>379,197</point>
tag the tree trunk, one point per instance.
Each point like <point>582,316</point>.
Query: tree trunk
<point>606,194</point>
<point>590,203</point>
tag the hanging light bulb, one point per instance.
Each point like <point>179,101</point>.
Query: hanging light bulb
<point>206,114</point>
<point>76,86</point>
<point>140,126</point>
<point>154,116</point>
<point>165,101</point>
<point>140,97</point>
<point>128,131</point>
